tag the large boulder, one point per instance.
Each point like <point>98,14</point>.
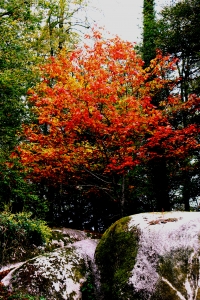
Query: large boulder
<point>151,256</point>
<point>64,273</point>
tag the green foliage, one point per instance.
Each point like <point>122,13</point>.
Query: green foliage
<point>115,257</point>
<point>16,193</point>
<point>149,32</point>
<point>24,297</point>
<point>178,34</point>
<point>175,267</point>
<point>17,24</point>
<point>26,37</point>
<point>20,235</point>
<point>60,25</point>
<point>87,289</point>
<point>178,28</point>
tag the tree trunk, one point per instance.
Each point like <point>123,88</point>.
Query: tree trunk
<point>159,180</point>
<point>123,196</point>
<point>186,192</point>
<point>61,24</point>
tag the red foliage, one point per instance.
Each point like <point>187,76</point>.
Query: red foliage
<point>94,112</point>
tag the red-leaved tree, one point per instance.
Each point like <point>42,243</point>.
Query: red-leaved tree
<point>94,117</point>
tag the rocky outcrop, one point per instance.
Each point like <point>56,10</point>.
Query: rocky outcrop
<point>60,274</point>
<point>151,256</point>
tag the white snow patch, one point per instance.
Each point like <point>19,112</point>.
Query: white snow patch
<point>86,247</point>
<point>56,285</point>
<point>7,278</point>
<point>58,243</point>
<point>11,266</point>
<point>160,234</point>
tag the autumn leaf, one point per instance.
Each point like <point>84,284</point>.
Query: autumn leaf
<point>94,111</point>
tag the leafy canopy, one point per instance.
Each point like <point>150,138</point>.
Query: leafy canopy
<point>94,114</point>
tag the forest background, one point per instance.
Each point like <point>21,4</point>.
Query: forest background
<point>91,133</point>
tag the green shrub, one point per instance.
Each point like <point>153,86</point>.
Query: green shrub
<point>24,297</point>
<point>20,236</point>
<point>87,288</point>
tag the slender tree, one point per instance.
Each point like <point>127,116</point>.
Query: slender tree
<point>149,32</point>
<point>60,25</point>
<point>178,34</point>
<point>157,167</point>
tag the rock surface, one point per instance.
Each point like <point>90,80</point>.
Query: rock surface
<point>151,256</point>
<point>59,274</point>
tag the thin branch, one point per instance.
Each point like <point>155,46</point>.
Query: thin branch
<point>91,173</point>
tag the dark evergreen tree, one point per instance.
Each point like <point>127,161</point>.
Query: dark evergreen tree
<point>158,167</point>
<point>178,35</point>
<point>149,32</point>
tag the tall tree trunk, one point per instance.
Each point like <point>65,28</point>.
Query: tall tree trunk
<point>159,179</point>
<point>61,23</point>
<point>157,167</point>
<point>50,29</point>
<point>186,192</point>
<point>123,196</point>
<point>149,32</point>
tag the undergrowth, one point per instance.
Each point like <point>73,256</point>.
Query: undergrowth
<point>20,235</point>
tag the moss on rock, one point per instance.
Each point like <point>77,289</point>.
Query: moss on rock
<point>164,292</point>
<point>56,275</point>
<point>173,267</point>
<point>151,256</point>
<point>142,257</point>
<point>115,256</point>
<point>177,270</point>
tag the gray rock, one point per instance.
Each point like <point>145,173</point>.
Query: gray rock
<point>65,236</point>
<point>151,256</point>
<point>55,275</point>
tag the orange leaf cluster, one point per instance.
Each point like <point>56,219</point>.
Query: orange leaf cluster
<point>94,112</point>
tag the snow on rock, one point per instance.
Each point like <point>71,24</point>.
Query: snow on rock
<point>12,267</point>
<point>151,256</point>
<point>64,236</point>
<point>78,235</point>
<point>168,237</point>
<point>56,275</point>
<point>86,248</point>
